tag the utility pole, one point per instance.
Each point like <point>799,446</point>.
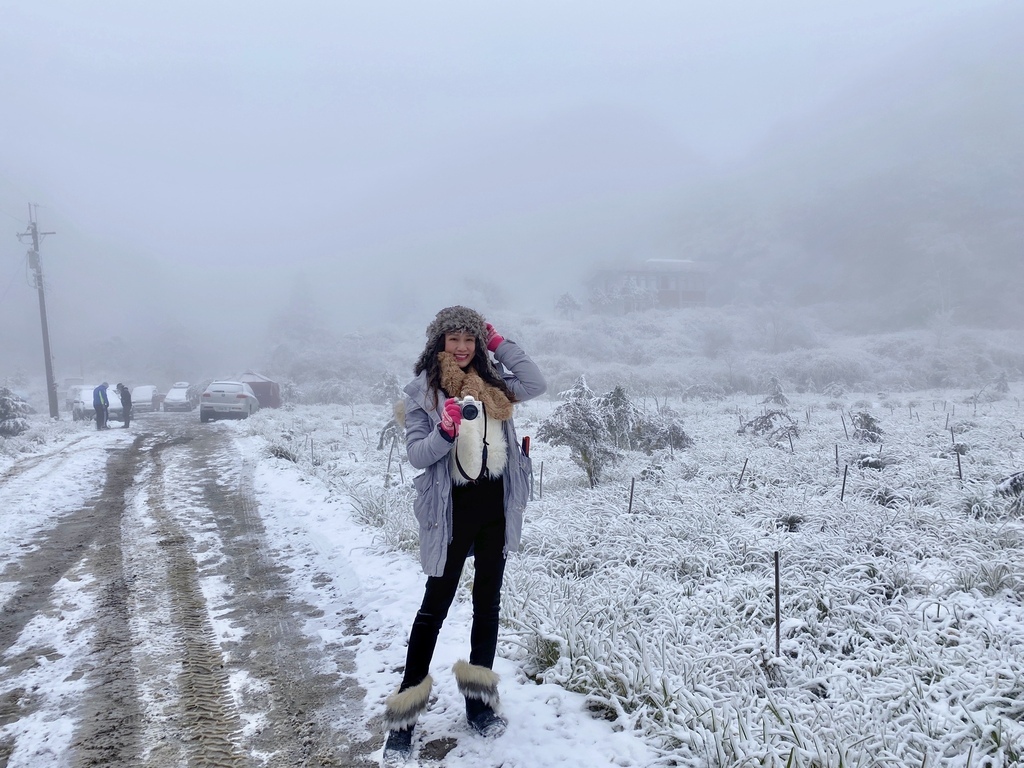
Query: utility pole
<point>37,268</point>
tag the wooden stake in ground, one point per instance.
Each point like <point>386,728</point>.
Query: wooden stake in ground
<point>387,472</point>
<point>632,484</point>
<point>846,468</point>
<point>778,607</point>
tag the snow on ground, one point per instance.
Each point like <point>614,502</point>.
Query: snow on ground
<point>548,726</point>
<point>901,582</point>
<point>646,637</point>
<point>313,529</point>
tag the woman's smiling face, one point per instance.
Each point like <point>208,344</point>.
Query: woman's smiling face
<point>461,346</point>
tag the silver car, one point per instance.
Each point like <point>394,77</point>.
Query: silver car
<point>182,396</point>
<point>227,400</point>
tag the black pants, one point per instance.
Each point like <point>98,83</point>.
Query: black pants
<point>101,417</point>
<point>478,522</point>
<point>127,415</point>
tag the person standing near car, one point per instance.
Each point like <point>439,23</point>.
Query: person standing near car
<point>100,403</point>
<point>126,403</point>
<point>469,501</point>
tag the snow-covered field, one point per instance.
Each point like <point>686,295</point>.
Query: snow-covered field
<point>901,619</point>
<point>651,598</point>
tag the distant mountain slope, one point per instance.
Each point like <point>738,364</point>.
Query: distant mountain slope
<point>908,192</point>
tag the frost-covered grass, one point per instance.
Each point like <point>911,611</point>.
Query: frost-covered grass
<point>901,594</point>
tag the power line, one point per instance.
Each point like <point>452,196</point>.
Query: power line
<point>12,216</point>
<point>8,288</point>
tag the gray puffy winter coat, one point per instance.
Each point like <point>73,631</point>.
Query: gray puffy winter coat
<point>428,450</point>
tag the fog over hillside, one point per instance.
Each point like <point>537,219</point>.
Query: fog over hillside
<point>842,170</point>
<point>903,198</point>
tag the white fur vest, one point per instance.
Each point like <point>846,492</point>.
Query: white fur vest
<point>479,440</point>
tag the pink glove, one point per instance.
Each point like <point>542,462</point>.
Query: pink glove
<point>493,338</point>
<point>451,417</point>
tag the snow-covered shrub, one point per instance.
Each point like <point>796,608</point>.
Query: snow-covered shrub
<point>621,417</point>
<point>1012,485</point>
<point>775,395</point>
<point>597,428</point>
<point>580,425</point>
<point>865,428</point>
<point>387,389</point>
<point>766,423</point>
<point>870,461</point>
<point>663,430</point>
<point>13,411</point>
<point>833,389</point>
<point>392,431</point>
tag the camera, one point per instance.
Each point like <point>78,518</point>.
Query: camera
<point>469,406</point>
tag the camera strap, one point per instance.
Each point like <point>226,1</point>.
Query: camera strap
<point>483,453</point>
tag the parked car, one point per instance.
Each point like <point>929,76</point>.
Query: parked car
<point>81,405</point>
<point>182,396</point>
<point>71,386</point>
<point>145,397</point>
<point>227,400</point>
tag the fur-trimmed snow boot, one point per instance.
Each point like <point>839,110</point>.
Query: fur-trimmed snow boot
<point>402,710</point>
<point>398,747</point>
<point>480,687</point>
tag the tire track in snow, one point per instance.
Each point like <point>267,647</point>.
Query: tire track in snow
<point>308,698</point>
<point>203,726</point>
<point>85,542</point>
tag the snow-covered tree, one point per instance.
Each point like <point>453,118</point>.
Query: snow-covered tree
<point>596,429</point>
<point>387,389</point>
<point>579,424</point>
<point>567,306</point>
<point>13,411</point>
<point>664,430</point>
<point>866,428</point>
<point>775,394</point>
<point>622,418</point>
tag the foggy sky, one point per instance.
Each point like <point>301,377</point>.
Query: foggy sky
<point>195,158</point>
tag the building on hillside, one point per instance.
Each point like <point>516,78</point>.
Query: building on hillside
<point>267,392</point>
<point>661,283</point>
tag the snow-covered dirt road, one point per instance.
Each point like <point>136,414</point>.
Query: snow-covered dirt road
<point>179,594</point>
<point>147,615</point>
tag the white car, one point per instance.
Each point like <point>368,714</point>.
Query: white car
<point>180,397</point>
<point>81,404</point>
<point>227,400</point>
<point>144,398</point>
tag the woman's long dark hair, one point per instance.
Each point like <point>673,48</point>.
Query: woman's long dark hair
<point>481,363</point>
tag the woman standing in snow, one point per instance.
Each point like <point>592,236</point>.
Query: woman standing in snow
<point>469,500</point>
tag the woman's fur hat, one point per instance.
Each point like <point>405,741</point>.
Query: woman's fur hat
<point>455,319</point>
